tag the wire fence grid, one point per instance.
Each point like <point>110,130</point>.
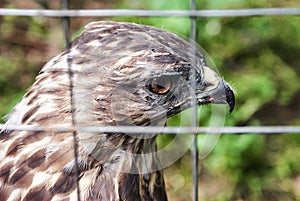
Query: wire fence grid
<point>66,14</point>
<point>149,13</point>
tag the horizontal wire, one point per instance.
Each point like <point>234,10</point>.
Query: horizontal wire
<point>154,129</point>
<point>149,13</point>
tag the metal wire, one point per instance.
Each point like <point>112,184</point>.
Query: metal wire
<point>150,13</point>
<point>158,129</point>
<point>66,27</point>
<point>194,123</point>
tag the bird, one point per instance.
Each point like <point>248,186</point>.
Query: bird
<point>113,74</point>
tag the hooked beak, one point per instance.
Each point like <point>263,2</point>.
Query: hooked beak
<point>217,91</point>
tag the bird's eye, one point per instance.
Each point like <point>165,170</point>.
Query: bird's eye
<point>160,85</point>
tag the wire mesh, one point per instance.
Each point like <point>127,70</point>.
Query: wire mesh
<point>66,30</point>
<point>149,13</point>
<point>194,123</point>
<point>66,13</point>
<point>165,130</point>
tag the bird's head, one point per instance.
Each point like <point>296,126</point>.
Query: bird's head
<point>123,74</point>
<point>142,74</point>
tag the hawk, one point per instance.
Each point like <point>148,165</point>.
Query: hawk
<point>113,74</point>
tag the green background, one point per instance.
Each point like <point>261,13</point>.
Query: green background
<point>259,56</point>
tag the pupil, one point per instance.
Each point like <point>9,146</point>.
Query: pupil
<point>160,87</point>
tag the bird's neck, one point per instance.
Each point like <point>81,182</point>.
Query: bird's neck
<point>132,171</point>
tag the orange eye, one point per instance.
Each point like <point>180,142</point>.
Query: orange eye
<point>160,86</point>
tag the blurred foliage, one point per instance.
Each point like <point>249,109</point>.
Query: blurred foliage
<point>259,56</point>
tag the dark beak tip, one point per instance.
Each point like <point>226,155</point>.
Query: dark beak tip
<point>231,107</point>
<point>230,99</point>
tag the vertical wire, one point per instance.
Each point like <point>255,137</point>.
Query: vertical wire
<point>66,24</point>
<point>193,33</point>
<point>66,29</point>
